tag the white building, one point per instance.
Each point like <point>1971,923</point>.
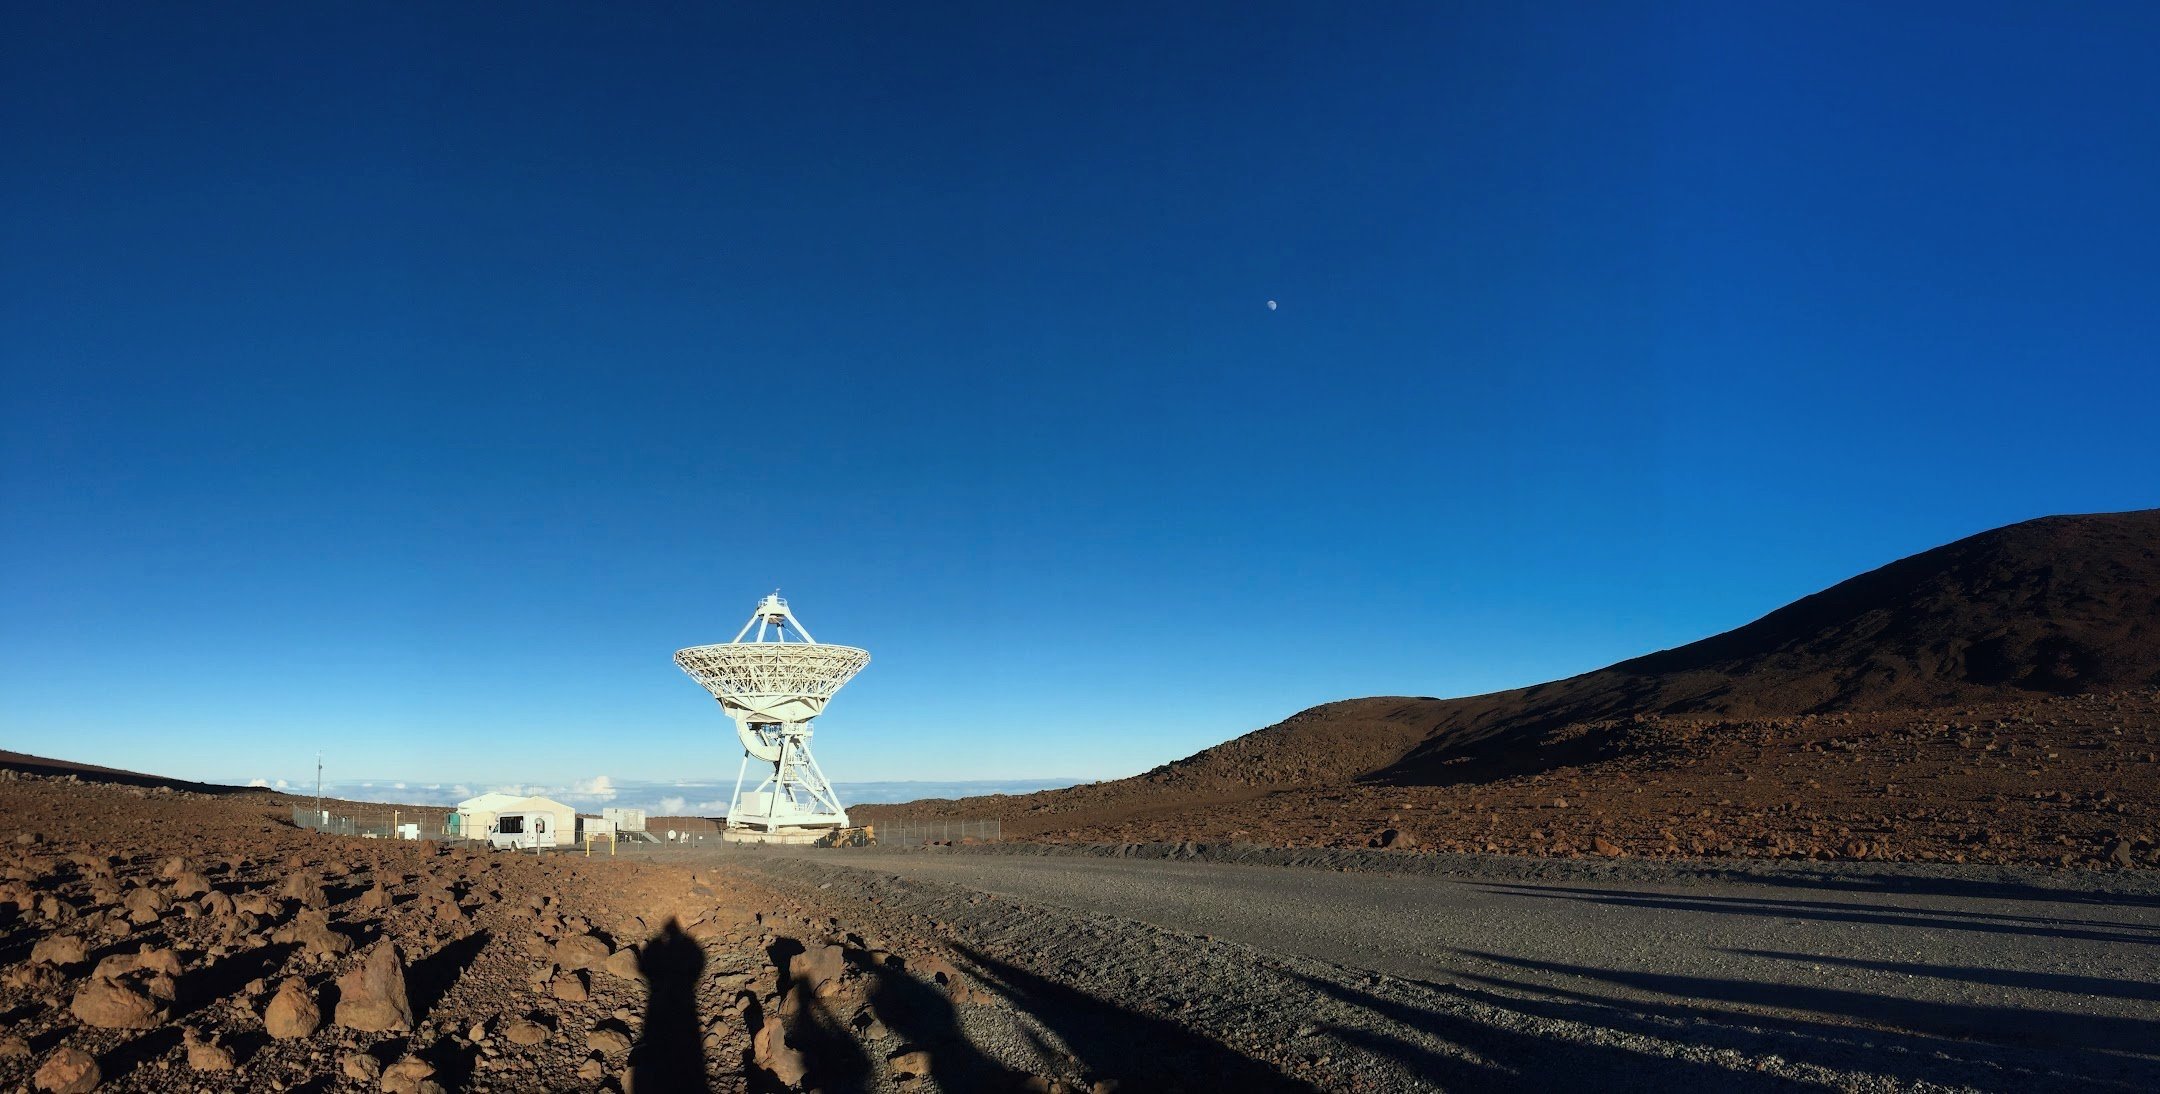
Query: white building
<point>626,820</point>
<point>554,821</point>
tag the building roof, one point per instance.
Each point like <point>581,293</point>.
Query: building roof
<point>493,799</point>
<point>507,803</point>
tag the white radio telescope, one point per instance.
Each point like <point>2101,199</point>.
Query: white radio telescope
<point>772,683</point>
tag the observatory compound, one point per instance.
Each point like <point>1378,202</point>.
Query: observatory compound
<point>772,683</point>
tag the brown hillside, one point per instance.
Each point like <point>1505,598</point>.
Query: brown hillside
<point>2054,606</point>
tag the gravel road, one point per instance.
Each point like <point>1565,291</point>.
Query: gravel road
<point>1889,981</point>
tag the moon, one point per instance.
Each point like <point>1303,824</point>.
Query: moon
<point>1271,305</point>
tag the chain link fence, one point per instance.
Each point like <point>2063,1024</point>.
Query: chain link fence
<point>434,824</point>
<point>917,833</point>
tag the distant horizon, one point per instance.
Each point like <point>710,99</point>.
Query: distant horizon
<point>688,798</point>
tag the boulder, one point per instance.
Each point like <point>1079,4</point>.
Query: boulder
<point>608,1042</point>
<point>360,1067</point>
<point>525,1031</point>
<point>293,1012</point>
<point>372,998</point>
<point>770,1051</point>
<point>623,963</point>
<point>60,949</point>
<point>570,987</point>
<point>108,1004</point>
<point>68,1070</point>
<point>145,905</point>
<point>581,952</point>
<point>411,1075</point>
<point>207,1055</point>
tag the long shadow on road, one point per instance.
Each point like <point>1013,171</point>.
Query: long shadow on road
<point>1498,1058</point>
<point>1837,912</point>
<point>1841,1034</point>
<point>1138,1051</point>
<point>1968,1021</point>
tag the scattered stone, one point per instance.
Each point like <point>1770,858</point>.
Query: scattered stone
<point>372,998</point>
<point>60,949</point>
<point>769,1050</point>
<point>293,1011</point>
<point>410,1075</point>
<point>581,952</point>
<point>108,1004</point>
<point>818,964</point>
<point>207,1055</point>
<point>912,1063</point>
<point>623,963</point>
<point>360,1067</point>
<point>571,987</point>
<point>68,1070</point>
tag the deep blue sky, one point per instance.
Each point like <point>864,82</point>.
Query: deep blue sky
<point>412,380</point>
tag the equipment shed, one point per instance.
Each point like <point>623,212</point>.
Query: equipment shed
<point>476,816</point>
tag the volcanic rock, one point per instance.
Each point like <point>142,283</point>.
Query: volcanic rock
<point>410,1075</point>
<point>571,987</point>
<point>525,1031</point>
<point>623,963</point>
<point>69,1070</point>
<point>581,952</point>
<point>909,1063</point>
<point>207,1055</point>
<point>60,949</point>
<point>108,1004</point>
<point>608,1042</point>
<point>360,1067</point>
<point>372,998</point>
<point>293,1011</point>
<point>769,1050</point>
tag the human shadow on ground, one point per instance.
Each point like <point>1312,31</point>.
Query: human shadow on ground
<point>1968,1021</point>
<point>923,1017</point>
<point>2069,983</point>
<point>1837,912</point>
<point>432,977</point>
<point>670,1052</point>
<point>1830,1039</point>
<point>834,1061</point>
<point>1495,1057</point>
<point>1919,885</point>
<point>1103,1036</point>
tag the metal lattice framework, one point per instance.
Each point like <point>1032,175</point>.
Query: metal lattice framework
<point>772,687</point>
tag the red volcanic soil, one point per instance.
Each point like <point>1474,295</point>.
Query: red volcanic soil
<point>2013,667</point>
<point>158,939</point>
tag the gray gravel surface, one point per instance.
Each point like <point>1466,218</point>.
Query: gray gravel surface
<point>1611,978</point>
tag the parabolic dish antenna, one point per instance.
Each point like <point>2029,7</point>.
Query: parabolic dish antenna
<point>773,679</point>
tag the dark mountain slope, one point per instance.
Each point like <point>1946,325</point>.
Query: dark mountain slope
<point>2051,606</point>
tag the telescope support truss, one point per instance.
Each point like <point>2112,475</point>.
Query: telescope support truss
<point>794,793</point>
<point>772,688</point>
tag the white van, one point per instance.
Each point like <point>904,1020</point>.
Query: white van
<point>522,831</point>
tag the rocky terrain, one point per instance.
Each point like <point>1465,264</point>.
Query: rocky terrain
<point>1993,700</point>
<point>153,938</point>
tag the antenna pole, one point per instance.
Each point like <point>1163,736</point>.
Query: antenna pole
<point>318,784</point>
